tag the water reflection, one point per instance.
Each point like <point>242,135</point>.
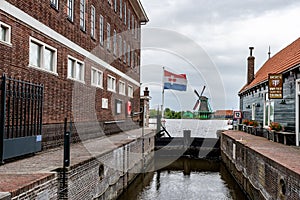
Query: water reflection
<point>185,179</point>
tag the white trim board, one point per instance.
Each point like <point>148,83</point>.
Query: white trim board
<point>27,19</point>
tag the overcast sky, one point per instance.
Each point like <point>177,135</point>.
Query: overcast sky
<point>209,41</point>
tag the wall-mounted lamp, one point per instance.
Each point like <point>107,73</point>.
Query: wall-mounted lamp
<point>248,107</point>
<point>257,105</point>
<point>283,102</point>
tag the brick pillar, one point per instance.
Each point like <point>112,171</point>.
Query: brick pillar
<point>251,59</point>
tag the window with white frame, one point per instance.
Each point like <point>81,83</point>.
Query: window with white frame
<point>122,87</point>
<point>93,21</point>
<point>129,15</point>
<point>125,13</point>
<point>42,56</point>
<point>111,83</point>
<point>125,51</point>
<point>128,57</point>
<point>130,91</point>
<point>101,30</point>
<point>120,47</point>
<point>54,4</point>
<point>71,10</point>
<point>75,69</point>
<point>115,6</point>
<point>82,14</point>
<point>268,111</point>
<point>121,7</point>
<point>108,37</point>
<point>132,59</point>
<point>136,30</point>
<point>115,43</point>
<point>132,24</point>
<point>96,77</point>
<point>5,31</point>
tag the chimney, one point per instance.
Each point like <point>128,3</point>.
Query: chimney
<point>250,75</point>
<point>146,92</point>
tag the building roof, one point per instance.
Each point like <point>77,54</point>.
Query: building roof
<point>223,113</point>
<point>281,62</point>
<point>139,10</point>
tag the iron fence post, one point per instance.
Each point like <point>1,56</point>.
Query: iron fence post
<point>3,114</point>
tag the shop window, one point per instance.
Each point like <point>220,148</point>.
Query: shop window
<point>42,56</point>
<point>5,31</point>
<point>75,69</point>
<point>121,87</point>
<point>111,83</point>
<point>96,78</point>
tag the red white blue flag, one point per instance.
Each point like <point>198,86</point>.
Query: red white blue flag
<point>175,81</point>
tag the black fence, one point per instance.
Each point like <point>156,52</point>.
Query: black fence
<point>21,117</point>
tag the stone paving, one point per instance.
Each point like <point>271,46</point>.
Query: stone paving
<point>287,156</point>
<point>21,173</point>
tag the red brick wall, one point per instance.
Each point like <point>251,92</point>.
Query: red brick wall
<point>61,94</point>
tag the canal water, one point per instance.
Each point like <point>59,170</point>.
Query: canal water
<point>186,178</point>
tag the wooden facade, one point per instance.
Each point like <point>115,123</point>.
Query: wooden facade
<point>254,99</point>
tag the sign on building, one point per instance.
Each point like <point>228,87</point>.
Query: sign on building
<point>237,115</point>
<point>275,86</point>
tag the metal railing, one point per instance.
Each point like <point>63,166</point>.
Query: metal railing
<point>21,115</point>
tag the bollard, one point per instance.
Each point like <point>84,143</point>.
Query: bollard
<point>186,138</point>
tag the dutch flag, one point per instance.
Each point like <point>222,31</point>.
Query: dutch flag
<point>175,81</point>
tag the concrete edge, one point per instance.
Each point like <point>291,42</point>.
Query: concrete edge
<point>5,196</point>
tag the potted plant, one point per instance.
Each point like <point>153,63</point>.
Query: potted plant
<point>245,122</point>
<point>275,126</point>
<point>253,123</point>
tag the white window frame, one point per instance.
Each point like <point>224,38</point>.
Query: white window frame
<point>129,55</point>
<point>268,115</point>
<point>115,43</point>
<point>70,8</point>
<point>120,47</point>
<point>7,39</point>
<point>82,15</point>
<point>136,30</point>
<point>122,88</point>
<point>253,111</point>
<point>96,82</point>
<point>125,13</point>
<point>111,86</point>
<point>125,51</point>
<point>130,91</point>
<point>132,24</point>
<point>93,22</point>
<point>115,5</point>
<point>54,3</point>
<point>121,7</point>
<point>76,61</point>
<point>43,47</point>
<point>108,37</point>
<point>129,15</point>
<point>101,35</point>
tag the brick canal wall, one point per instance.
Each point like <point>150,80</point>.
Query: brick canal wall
<point>264,169</point>
<point>107,176</point>
<point>102,175</point>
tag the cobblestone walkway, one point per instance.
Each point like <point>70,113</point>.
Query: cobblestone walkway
<point>287,156</point>
<point>22,173</point>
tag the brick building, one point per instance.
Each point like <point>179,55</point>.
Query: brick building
<point>86,53</point>
<point>254,96</point>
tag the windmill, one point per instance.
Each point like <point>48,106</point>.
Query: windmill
<point>204,110</point>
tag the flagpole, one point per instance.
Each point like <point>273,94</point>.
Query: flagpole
<point>163,94</point>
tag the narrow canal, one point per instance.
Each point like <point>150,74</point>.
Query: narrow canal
<point>186,178</point>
